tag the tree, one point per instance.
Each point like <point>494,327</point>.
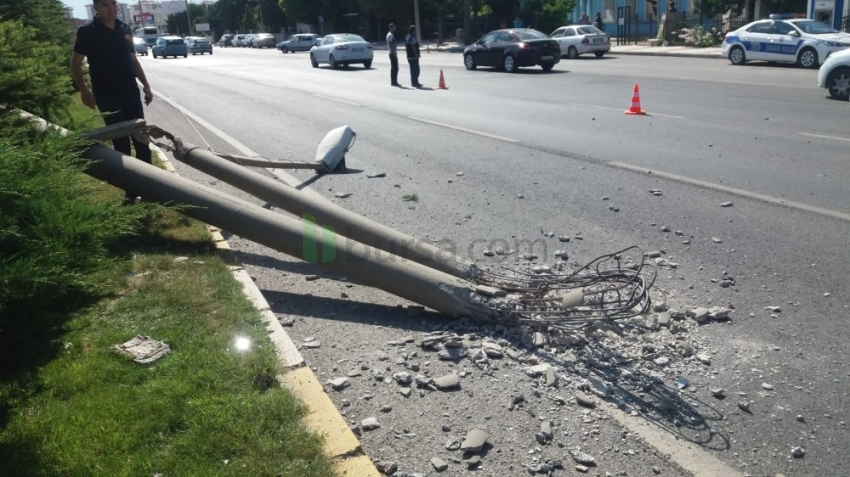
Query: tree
<point>547,15</point>
<point>46,16</point>
<point>34,73</point>
<point>249,18</point>
<point>178,23</point>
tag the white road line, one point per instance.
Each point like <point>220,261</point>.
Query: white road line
<point>335,99</point>
<point>470,131</point>
<point>623,109</point>
<point>285,177</point>
<point>732,190</point>
<point>687,454</point>
<point>826,137</point>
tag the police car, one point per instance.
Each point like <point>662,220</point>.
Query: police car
<point>783,38</point>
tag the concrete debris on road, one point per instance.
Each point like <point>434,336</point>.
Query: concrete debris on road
<point>370,423</point>
<point>439,464</point>
<point>798,452</point>
<point>474,441</point>
<point>343,195</point>
<point>449,381</point>
<point>339,383</point>
<point>726,204</point>
<point>583,458</point>
<point>375,175</point>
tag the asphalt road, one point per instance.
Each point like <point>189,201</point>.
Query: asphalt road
<point>562,142</point>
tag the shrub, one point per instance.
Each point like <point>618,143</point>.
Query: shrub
<point>56,224</point>
<point>699,37</point>
<point>33,73</point>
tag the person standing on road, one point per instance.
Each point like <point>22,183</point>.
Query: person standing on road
<point>107,43</point>
<point>393,55</point>
<point>584,20</point>
<point>517,23</point>
<point>411,44</point>
<point>598,21</point>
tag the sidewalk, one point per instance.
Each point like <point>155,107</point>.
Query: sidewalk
<point>676,51</point>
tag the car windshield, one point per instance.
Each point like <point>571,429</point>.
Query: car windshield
<point>264,35</point>
<point>349,38</point>
<point>177,41</point>
<point>589,30</point>
<point>530,34</point>
<point>814,28</point>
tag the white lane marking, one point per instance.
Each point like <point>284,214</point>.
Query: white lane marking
<point>686,454</point>
<point>470,131</point>
<point>821,136</point>
<point>285,177</point>
<point>732,190</point>
<point>335,99</point>
<point>623,109</point>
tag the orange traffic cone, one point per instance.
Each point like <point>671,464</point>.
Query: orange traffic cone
<point>442,81</point>
<point>635,108</point>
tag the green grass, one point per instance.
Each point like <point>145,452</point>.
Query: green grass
<point>410,198</point>
<point>95,412</point>
<point>79,117</point>
<point>70,406</point>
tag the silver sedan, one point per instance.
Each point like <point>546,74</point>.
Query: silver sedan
<point>342,49</point>
<point>579,39</point>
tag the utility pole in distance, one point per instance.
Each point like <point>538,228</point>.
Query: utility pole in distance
<point>188,18</point>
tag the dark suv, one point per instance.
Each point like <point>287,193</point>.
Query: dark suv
<point>226,40</point>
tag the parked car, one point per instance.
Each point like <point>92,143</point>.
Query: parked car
<point>226,40</point>
<point>263,40</point>
<point>301,42</point>
<point>834,75</point>
<point>199,45</point>
<point>140,46</point>
<point>783,38</point>
<point>342,49</point>
<point>246,41</point>
<point>575,40</point>
<point>166,46</point>
<point>512,49</point>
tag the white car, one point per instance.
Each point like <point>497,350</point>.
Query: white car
<point>834,75</point>
<point>579,39</point>
<point>782,39</point>
<point>342,49</point>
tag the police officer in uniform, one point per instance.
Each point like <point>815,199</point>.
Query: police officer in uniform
<point>107,43</point>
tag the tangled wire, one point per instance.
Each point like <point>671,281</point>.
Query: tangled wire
<point>602,290</point>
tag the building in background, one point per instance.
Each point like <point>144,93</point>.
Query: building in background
<point>155,13</point>
<point>835,13</point>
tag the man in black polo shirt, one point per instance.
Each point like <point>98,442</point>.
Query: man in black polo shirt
<point>107,43</point>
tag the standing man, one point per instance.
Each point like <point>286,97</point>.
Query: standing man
<point>411,44</point>
<point>598,21</point>
<point>393,56</point>
<point>584,20</point>
<point>518,23</point>
<point>107,44</point>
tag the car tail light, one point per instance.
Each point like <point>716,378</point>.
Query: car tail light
<point>341,47</point>
<point>370,46</point>
<point>584,41</point>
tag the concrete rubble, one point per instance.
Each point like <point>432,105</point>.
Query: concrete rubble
<point>606,364</point>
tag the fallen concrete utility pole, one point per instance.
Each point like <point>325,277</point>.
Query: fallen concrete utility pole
<point>345,222</point>
<point>539,297</point>
<point>434,289</point>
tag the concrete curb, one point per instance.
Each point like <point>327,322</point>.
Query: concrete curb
<point>322,415</point>
<point>669,55</point>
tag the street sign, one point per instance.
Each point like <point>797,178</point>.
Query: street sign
<point>146,17</point>
<point>202,27</point>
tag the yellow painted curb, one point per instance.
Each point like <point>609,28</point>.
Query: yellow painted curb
<point>360,466</point>
<point>322,415</point>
